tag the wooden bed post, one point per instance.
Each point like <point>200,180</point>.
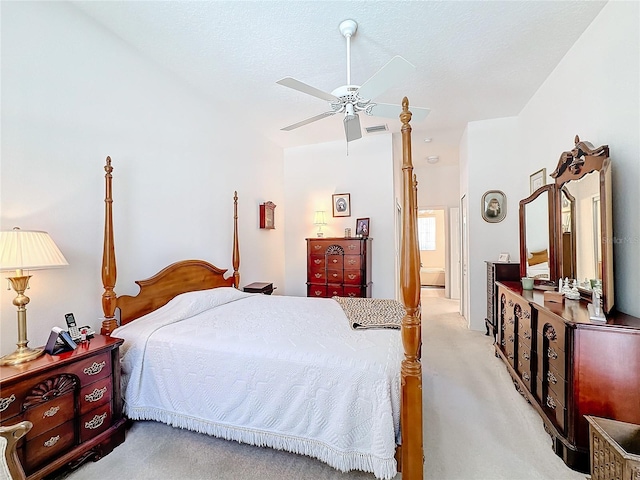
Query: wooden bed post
<point>109,271</point>
<point>236,248</point>
<point>411,370</point>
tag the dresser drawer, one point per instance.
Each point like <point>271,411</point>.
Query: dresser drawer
<point>316,290</point>
<point>556,384</point>
<point>555,359</point>
<point>95,422</point>
<point>352,277</point>
<point>92,369</point>
<point>48,445</point>
<point>352,262</point>
<point>553,329</point>
<point>524,363</point>
<point>334,276</point>
<point>95,394</point>
<point>346,246</point>
<point>335,291</point>
<point>50,414</point>
<point>317,276</point>
<point>335,262</point>
<point>351,291</point>
<point>555,410</point>
<point>317,262</point>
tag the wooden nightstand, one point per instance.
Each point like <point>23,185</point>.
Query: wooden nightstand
<point>260,287</point>
<point>72,399</point>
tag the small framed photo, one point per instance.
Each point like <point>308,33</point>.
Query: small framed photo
<point>362,227</point>
<point>504,257</point>
<point>341,204</point>
<point>494,206</point>
<point>538,179</point>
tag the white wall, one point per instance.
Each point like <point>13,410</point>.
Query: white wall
<point>312,174</point>
<point>487,154</point>
<point>72,93</point>
<point>595,92</point>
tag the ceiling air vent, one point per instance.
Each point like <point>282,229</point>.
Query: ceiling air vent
<point>376,129</point>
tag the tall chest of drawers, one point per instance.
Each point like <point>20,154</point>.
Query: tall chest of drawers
<point>568,366</point>
<point>72,399</point>
<point>339,267</point>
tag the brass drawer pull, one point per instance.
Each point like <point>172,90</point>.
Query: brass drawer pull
<point>351,261</point>
<point>318,275</point>
<point>510,303</point>
<point>551,403</point>
<point>551,353</point>
<point>526,356</point>
<point>511,338</point>
<point>95,422</point>
<point>335,260</point>
<point>334,275</point>
<point>5,402</point>
<point>352,246</point>
<point>552,378</point>
<point>95,368</point>
<point>526,376</point>
<point>335,293</point>
<point>352,294</point>
<point>52,441</point>
<point>527,334</point>
<point>317,261</point>
<point>318,293</point>
<point>527,314</point>
<point>51,412</point>
<point>96,395</point>
<point>351,276</point>
<point>317,247</point>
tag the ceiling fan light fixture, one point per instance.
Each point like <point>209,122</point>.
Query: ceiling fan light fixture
<point>433,159</point>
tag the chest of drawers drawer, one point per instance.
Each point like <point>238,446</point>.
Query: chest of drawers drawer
<point>334,276</point>
<point>48,444</point>
<point>95,422</point>
<point>95,394</point>
<point>50,414</point>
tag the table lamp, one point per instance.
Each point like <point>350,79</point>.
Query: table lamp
<point>319,220</point>
<point>25,250</point>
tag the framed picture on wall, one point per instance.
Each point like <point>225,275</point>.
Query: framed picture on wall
<point>341,204</point>
<point>538,179</point>
<point>494,206</point>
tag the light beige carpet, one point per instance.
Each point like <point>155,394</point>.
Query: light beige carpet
<point>476,426</point>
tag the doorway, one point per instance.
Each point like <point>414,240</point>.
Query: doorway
<point>432,242</point>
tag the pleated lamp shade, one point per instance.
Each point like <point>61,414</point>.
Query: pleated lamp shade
<point>29,250</point>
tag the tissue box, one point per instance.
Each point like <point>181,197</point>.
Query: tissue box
<point>555,297</point>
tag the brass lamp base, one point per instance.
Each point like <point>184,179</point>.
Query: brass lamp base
<point>21,355</point>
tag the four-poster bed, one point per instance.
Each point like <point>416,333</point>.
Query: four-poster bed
<point>375,385</point>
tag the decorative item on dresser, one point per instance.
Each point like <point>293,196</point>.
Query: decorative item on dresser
<point>339,267</point>
<point>72,400</point>
<point>496,272</point>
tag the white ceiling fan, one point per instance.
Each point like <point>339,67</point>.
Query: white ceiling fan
<point>352,99</point>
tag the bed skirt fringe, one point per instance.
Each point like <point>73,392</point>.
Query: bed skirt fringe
<point>382,468</point>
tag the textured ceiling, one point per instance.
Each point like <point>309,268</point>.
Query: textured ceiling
<point>474,60</point>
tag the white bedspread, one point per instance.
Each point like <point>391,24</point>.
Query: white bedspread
<point>276,371</point>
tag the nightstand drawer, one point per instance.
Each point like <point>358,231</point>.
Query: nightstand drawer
<point>95,394</point>
<point>95,422</point>
<point>50,414</point>
<point>92,369</point>
<point>48,444</point>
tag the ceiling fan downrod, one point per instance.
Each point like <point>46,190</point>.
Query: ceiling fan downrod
<point>348,29</point>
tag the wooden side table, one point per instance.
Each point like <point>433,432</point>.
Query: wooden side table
<point>72,399</point>
<point>260,287</point>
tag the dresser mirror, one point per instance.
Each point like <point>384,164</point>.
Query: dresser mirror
<point>584,212</point>
<point>538,258</point>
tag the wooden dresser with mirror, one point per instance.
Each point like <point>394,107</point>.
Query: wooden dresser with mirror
<point>566,363</point>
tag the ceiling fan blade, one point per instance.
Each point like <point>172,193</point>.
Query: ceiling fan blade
<point>308,120</point>
<point>390,74</point>
<point>308,89</point>
<point>352,127</point>
<point>393,111</point>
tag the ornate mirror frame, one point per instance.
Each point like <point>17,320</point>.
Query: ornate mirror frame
<point>533,254</point>
<point>574,165</point>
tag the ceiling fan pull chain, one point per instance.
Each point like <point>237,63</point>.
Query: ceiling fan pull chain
<point>348,59</point>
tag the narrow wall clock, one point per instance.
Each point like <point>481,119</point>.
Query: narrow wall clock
<point>267,215</point>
